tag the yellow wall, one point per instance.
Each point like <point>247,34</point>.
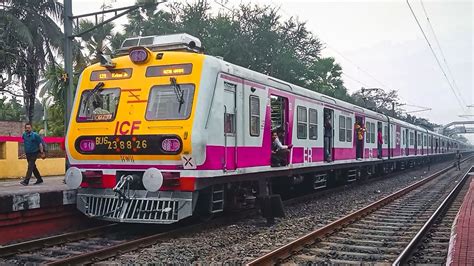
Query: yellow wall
<point>12,167</point>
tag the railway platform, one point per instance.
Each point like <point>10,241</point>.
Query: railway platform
<point>461,244</point>
<point>27,212</point>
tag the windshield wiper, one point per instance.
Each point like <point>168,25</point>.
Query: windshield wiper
<point>94,91</point>
<point>92,94</point>
<point>178,91</point>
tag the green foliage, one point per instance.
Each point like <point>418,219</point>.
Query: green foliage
<point>10,110</point>
<point>32,35</point>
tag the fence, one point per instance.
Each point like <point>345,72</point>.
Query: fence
<point>13,164</point>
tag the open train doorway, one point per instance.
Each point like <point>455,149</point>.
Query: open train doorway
<point>359,137</point>
<point>280,126</point>
<point>407,142</point>
<point>328,115</point>
<point>379,140</point>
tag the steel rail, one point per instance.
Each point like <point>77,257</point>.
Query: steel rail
<point>121,248</point>
<point>35,244</point>
<point>406,253</point>
<point>287,250</point>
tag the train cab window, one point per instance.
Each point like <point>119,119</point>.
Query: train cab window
<point>313,124</point>
<point>168,102</point>
<point>302,119</point>
<point>98,105</point>
<point>254,111</point>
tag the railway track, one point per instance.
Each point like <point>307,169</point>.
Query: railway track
<point>98,244</point>
<point>386,231</point>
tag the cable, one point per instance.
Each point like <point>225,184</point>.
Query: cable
<point>434,54</point>
<point>356,80</point>
<point>441,51</point>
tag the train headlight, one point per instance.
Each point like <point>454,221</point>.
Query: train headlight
<point>139,55</point>
<point>152,179</point>
<point>73,177</point>
<point>170,145</point>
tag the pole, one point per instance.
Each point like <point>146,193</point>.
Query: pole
<point>69,95</point>
<point>393,109</point>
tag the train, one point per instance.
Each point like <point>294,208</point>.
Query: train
<point>163,132</point>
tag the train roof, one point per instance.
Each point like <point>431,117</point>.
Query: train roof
<point>286,86</point>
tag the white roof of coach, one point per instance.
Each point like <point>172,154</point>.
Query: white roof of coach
<point>283,85</point>
<point>163,42</point>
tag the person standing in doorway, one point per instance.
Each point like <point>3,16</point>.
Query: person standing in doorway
<point>33,148</point>
<point>360,130</point>
<point>327,137</point>
<point>379,143</point>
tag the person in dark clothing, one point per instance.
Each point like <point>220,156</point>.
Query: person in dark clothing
<point>327,137</point>
<point>458,160</point>
<point>33,148</point>
<point>360,130</point>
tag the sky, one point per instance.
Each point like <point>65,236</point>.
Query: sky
<point>379,45</point>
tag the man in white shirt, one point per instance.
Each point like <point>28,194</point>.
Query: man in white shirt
<point>279,151</point>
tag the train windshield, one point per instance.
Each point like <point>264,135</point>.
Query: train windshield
<point>98,105</point>
<point>166,102</point>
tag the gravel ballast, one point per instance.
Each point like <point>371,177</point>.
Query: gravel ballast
<point>246,239</point>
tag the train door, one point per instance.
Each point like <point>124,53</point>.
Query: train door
<point>328,125</point>
<point>379,144</point>
<point>359,137</point>
<point>407,142</point>
<point>280,123</point>
<point>230,126</point>
<point>431,143</point>
<point>416,142</point>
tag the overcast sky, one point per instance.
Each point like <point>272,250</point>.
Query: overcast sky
<point>379,44</point>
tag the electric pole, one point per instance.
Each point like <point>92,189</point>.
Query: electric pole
<point>68,41</point>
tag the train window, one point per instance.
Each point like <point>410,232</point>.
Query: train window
<point>229,123</point>
<point>367,132</point>
<point>372,127</point>
<point>98,105</point>
<point>254,110</point>
<point>385,134</point>
<point>313,124</point>
<point>348,129</point>
<point>370,132</point>
<point>412,138</point>
<point>342,128</point>
<point>424,140</point>
<point>302,119</point>
<point>167,103</point>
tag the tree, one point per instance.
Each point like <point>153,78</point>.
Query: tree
<point>10,110</point>
<point>34,36</point>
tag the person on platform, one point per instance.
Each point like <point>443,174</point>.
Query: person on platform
<point>33,147</point>
<point>279,151</point>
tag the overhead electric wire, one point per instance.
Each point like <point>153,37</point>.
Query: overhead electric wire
<point>434,54</point>
<point>356,80</point>
<point>442,53</point>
